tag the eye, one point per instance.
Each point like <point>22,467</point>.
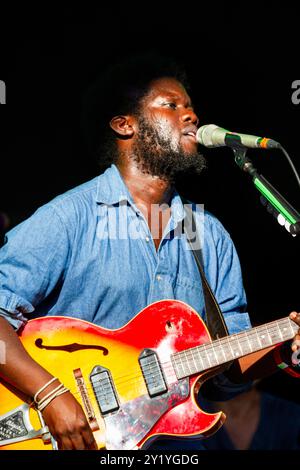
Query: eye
<point>171,105</point>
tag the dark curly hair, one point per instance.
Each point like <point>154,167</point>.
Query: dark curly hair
<point>119,89</point>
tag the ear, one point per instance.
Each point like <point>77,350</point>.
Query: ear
<point>122,125</point>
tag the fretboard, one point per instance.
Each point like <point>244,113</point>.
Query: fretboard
<point>209,355</point>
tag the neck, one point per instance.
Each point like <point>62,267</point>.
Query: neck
<point>145,189</point>
<point>228,348</point>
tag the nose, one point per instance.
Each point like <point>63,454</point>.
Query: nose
<point>189,115</point>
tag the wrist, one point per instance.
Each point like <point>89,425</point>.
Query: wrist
<point>48,392</point>
<point>47,387</point>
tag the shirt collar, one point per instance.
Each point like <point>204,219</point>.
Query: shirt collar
<point>111,190</point>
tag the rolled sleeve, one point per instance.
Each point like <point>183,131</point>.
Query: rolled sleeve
<point>16,320</point>
<point>32,261</point>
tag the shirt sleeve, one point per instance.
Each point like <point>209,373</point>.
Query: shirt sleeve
<point>32,261</point>
<point>17,320</point>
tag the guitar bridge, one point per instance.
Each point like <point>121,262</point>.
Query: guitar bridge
<point>15,427</point>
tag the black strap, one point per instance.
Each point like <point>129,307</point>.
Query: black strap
<point>214,317</point>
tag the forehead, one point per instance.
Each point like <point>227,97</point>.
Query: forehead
<point>167,86</point>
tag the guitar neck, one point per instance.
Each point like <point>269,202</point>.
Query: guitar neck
<point>218,352</point>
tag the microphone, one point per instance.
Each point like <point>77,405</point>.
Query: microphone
<point>211,135</point>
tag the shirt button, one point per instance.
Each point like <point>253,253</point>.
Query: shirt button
<point>158,277</point>
<point>147,239</point>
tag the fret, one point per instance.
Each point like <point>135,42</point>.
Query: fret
<point>195,365</point>
<point>205,359</point>
<point>219,352</point>
<point>208,355</point>
<point>215,355</point>
<point>263,337</point>
<point>227,350</point>
<point>235,347</point>
<point>231,352</point>
<point>179,368</point>
<point>254,340</point>
<point>293,328</point>
<point>201,363</point>
<point>249,343</point>
<point>269,335</point>
<point>223,352</point>
<point>244,343</point>
<point>280,332</point>
<point>190,359</point>
<point>286,329</point>
<point>209,349</point>
<point>274,334</point>
<point>187,364</point>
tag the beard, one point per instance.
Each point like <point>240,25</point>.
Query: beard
<point>156,156</point>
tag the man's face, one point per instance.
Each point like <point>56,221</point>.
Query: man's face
<point>168,108</point>
<point>165,143</point>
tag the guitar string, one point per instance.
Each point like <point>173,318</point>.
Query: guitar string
<point>228,341</point>
<point>241,337</point>
<point>209,347</point>
<point>123,380</point>
<point>244,338</point>
<point>126,379</point>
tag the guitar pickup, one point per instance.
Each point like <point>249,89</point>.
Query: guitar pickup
<point>104,390</point>
<point>152,373</point>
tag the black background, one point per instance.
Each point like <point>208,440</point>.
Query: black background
<point>241,61</point>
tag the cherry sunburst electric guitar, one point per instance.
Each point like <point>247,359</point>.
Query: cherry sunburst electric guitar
<point>136,383</point>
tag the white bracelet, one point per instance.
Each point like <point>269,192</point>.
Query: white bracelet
<point>45,398</point>
<point>55,393</point>
<point>43,402</point>
<point>43,388</point>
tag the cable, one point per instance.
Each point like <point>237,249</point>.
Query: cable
<point>291,164</point>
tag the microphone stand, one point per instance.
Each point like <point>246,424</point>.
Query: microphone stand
<point>274,202</point>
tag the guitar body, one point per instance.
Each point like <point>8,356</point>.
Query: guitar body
<point>136,408</point>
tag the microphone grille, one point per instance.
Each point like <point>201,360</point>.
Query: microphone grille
<point>204,135</point>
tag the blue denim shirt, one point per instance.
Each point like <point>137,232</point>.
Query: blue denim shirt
<point>89,254</point>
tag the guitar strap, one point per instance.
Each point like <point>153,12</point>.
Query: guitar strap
<point>214,317</point>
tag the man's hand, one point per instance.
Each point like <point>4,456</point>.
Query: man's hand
<point>296,340</point>
<point>68,425</point>
<point>63,415</point>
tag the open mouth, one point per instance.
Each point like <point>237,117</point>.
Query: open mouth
<point>190,132</point>
<point>191,136</point>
